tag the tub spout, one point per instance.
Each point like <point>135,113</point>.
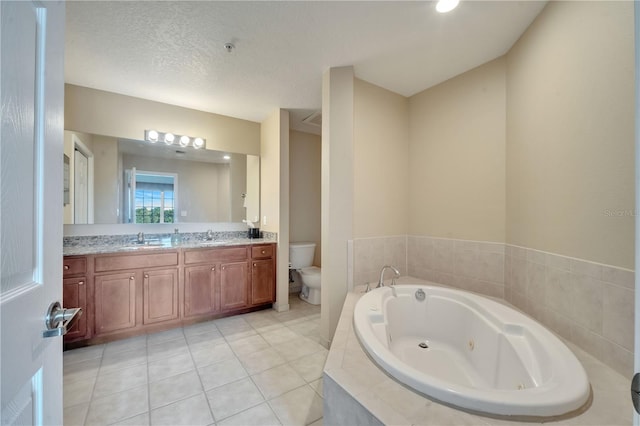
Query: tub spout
<point>396,274</point>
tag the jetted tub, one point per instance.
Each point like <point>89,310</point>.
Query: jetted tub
<point>469,351</point>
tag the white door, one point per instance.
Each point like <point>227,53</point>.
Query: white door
<point>80,188</point>
<point>31,151</point>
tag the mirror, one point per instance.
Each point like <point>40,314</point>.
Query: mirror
<point>113,180</point>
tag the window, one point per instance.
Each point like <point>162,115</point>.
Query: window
<point>155,197</point>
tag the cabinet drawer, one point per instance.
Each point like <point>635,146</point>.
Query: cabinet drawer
<point>74,265</point>
<point>134,261</point>
<point>217,255</point>
<point>262,252</point>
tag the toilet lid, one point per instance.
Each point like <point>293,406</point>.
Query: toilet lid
<point>311,270</point>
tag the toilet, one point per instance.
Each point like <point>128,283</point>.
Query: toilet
<point>301,260</point>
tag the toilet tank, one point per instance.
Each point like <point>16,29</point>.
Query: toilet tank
<point>301,254</point>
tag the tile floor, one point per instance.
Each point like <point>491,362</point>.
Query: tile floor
<point>262,368</point>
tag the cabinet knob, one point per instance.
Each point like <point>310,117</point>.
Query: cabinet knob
<point>213,269</point>
<point>255,264</point>
<point>66,267</point>
<point>146,275</point>
<point>264,251</point>
<point>81,283</point>
<point>131,278</point>
<point>223,268</point>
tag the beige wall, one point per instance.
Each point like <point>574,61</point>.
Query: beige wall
<point>104,113</point>
<point>194,179</point>
<point>274,194</point>
<point>457,157</point>
<point>337,193</point>
<point>304,188</point>
<point>570,132</point>
<point>381,161</point>
<point>106,191</point>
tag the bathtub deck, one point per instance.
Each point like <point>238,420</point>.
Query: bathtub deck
<point>358,392</point>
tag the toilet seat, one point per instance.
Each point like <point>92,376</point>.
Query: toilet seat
<point>311,270</point>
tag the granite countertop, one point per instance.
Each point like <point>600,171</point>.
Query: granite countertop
<point>151,245</point>
<point>353,377</point>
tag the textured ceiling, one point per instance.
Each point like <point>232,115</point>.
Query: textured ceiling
<point>173,52</point>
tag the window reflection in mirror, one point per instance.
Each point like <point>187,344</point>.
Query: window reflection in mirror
<point>206,187</point>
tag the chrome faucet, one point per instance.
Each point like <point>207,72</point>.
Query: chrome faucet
<point>396,274</point>
<point>209,234</point>
<point>140,238</point>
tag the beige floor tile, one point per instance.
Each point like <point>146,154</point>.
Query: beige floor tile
<point>297,348</point>
<point>310,366</point>
<point>199,328</point>
<point>193,411</point>
<point>207,337</point>
<point>125,345</point>
<point>168,349</point>
<point>207,355</point>
<point>305,328</point>
<point>221,373</point>
<point>174,388</point>
<point>165,336</point>
<point>318,422</point>
<point>300,406</point>
<point>118,381</point>
<point>118,406</point>
<point>262,360</point>
<point>278,380</point>
<point>117,361</point>
<point>279,336</point>
<point>232,398</point>
<point>240,333</point>
<point>139,420</point>
<point>261,415</point>
<point>317,386</point>
<point>74,416</point>
<point>82,370</point>
<point>82,354</point>
<point>248,345</point>
<point>167,367</point>
<point>78,392</point>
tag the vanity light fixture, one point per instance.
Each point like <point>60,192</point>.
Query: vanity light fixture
<point>184,141</point>
<point>227,157</point>
<point>444,6</point>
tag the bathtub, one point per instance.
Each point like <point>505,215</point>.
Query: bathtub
<point>470,352</point>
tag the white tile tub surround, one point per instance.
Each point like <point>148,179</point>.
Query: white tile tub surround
<point>587,303</point>
<point>371,254</point>
<point>357,392</point>
<point>476,266</point>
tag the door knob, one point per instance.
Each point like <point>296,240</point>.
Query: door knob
<point>59,320</point>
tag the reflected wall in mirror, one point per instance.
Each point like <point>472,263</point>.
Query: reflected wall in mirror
<point>126,181</point>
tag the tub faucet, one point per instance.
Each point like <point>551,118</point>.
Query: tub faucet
<point>209,234</point>
<point>396,274</point>
<point>140,238</point>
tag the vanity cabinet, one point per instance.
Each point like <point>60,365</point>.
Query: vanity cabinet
<point>115,302</point>
<point>75,295</point>
<point>263,275</point>
<point>160,295</point>
<point>123,295</point>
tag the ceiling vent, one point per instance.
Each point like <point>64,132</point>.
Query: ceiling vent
<point>314,119</point>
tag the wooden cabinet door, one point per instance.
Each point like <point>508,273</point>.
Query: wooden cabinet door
<point>262,282</point>
<point>115,302</point>
<point>74,293</point>
<point>234,280</point>
<point>199,290</point>
<point>160,296</point>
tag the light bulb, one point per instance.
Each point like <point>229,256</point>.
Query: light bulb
<point>152,136</point>
<point>445,6</point>
<point>198,143</point>
<point>227,157</point>
<point>184,140</point>
<point>169,138</point>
